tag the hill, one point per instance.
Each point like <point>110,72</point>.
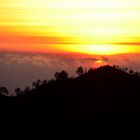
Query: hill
<point>101,102</point>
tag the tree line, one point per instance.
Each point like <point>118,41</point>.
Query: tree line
<point>62,75</point>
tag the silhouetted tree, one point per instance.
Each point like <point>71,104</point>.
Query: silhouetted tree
<point>4,90</point>
<point>131,71</point>
<point>90,70</point>
<point>36,84</point>
<point>26,90</point>
<point>61,75</point>
<point>18,91</point>
<point>80,70</point>
<point>116,66</point>
<point>44,82</point>
<point>125,69</point>
<point>50,81</point>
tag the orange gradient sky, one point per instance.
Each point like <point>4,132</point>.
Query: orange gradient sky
<point>103,27</point>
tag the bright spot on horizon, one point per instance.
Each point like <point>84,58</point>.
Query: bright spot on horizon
<point>98,63</point>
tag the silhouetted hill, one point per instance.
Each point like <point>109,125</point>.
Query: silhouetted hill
<point>101,102</point>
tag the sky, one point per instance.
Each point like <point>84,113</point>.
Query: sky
<point>84,26</point>
<point>44,36</point>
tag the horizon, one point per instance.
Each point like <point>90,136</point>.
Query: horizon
<point>21,69</point>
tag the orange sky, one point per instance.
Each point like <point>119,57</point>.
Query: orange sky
<point>103,27</point>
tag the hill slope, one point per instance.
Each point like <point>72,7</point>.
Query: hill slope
<point>100,102</point>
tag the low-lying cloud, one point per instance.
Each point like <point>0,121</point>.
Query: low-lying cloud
<point>21,69</point>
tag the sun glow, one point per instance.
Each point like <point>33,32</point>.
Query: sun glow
<point>84,26</point>
<point>99,63</point>
<point>101,49</point>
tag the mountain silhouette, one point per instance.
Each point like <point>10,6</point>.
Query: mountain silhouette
<point>101,102</point>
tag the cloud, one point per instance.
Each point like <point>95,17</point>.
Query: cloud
<point>21,69</point>
<point>42,60</point>
<point>129,43</point>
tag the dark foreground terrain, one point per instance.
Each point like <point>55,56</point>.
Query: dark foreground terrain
<point>104,102</point>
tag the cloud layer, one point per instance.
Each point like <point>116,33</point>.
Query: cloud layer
<point>21,69</point>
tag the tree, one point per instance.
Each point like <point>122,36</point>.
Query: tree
<point>18,91</point>
<point>26,90</point>
<point>36,84</point>
<point>90,70</point>
<point>80,70</point>
<point>131,71</point>
<point>4,90</point>
<point>116,66</point>
<point>61,75</point>
<point>125,69</point>
<point>44,82</point>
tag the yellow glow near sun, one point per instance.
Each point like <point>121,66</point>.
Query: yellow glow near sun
<point>101,49</point>
<point>94,24</point>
